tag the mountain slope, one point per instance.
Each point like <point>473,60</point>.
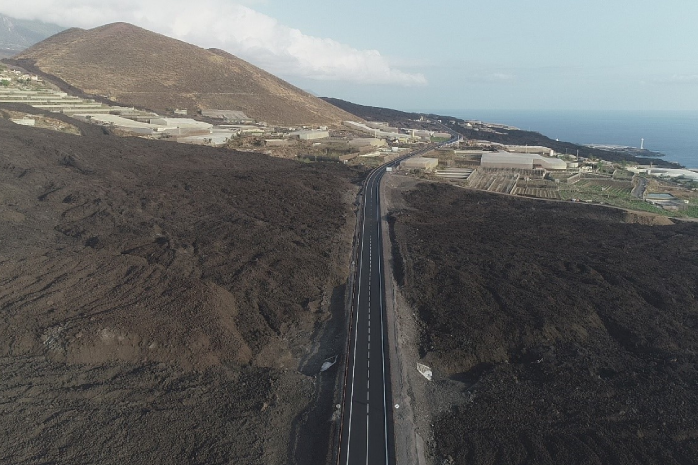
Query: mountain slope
<point>18,34</point>
<point>370,113</point>
<point>133,66</point>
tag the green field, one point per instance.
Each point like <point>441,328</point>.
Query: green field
<point>614,195</point>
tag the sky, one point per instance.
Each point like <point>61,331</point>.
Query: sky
<point>436,56</point>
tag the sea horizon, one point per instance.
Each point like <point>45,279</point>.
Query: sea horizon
<point>672,133</point>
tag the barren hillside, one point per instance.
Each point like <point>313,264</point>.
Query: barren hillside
<point>133,66</point>
<point>162,303</point>
<point>558,333</point>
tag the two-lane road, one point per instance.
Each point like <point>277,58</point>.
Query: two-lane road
<point>367,429</point>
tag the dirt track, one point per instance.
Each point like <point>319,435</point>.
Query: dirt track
<point>558,333</point>
<point>163,303</point>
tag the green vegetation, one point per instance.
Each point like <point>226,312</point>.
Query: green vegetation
<point>614,195</point>
<point>439,139</point>
<point>692,210</point>
<point>621,174</point>
<point>618,195</point>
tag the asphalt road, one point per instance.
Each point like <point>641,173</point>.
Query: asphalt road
<point>367,429</point>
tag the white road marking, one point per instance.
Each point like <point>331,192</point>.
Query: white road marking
<point>356,334</point>
<point>385,406</point>
<point>367,418</point>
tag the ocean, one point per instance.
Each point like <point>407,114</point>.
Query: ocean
<point>674,134</point>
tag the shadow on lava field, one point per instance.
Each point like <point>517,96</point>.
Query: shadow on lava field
<point>163,295</point>
<point>569,331</point>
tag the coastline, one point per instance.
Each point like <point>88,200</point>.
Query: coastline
<point>669,133</point>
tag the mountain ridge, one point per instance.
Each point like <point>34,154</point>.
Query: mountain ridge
<point>18,34</point>
<point>133,66</point>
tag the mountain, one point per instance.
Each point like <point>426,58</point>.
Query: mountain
<point>370,113</point>
<point>134,66</point>
<point>18,34</point>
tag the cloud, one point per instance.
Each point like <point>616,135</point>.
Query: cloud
<point>495,77</point>
<point>231,26</point>
<point>678,79</point>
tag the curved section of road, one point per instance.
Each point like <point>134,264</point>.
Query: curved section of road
<point>367,428</point>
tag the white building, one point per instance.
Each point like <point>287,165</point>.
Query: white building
<point>673,173</point>
<point>118,122</point>
<point>310,135</point>
<point>182,123</point>
<point>367,142</point>
<point>378,133</point>
<point>523,161</point>
<point>539,149</point>
<point>419,163</point>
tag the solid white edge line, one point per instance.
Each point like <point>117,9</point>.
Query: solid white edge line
<point>368,417</point>
<point>380,280</point>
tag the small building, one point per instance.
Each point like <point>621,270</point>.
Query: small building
<point>182,123</point>
<point>419,163</point>
<point>367,142</point>
<point>376,133</point>
<point>310,135</point>
<point>417,133</point>
<point>384,127</point>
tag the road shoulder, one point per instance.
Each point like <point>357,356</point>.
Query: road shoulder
<point>402,333</point>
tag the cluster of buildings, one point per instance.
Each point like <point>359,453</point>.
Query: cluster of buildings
<point>511,157</point>
<point>8,76</point>
<point>667,173</point>
<point>487,127</point>
<point>185,130</point>
<point>20,88</point>
<point>384,131</point>
<point>50,100</point>
<point>371,139</point>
